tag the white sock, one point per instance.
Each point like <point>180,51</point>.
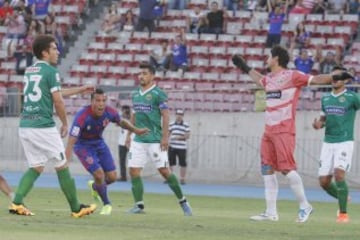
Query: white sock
<point>271,192</point>
<point>297,186</point>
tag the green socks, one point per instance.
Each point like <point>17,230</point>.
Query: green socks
<point>175,186</point>
<point>67,185</point>
<point>25,185</point>
<point>137,189</point>
<point>343,192</point>
<point>332,190</point>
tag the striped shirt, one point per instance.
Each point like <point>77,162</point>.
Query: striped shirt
<point>178,129</point>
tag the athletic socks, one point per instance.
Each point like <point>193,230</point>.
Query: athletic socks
<point>271,192</point>
<point>68,187</point>
<point>343,192</point>
<point>25,185</point>
<point>137,189</point>
<point>332,190</point>
<point>102,191</point>
<point>297,186</point>
<point>175,186</point>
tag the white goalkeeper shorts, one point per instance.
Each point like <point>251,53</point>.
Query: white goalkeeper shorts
<point>41,145</point>
<point>140,153</point>
<point>335,155</point>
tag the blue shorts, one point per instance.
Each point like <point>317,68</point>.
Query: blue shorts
<point>93,157</point>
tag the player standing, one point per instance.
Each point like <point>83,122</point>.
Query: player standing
<point>338,117</point>
<point>38,134</point>
<point>282,88</point>
<point>151,111</point>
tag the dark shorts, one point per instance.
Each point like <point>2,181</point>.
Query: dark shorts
<point>177,154</point>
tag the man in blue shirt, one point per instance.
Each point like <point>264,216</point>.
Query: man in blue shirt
<point>147,14</point>
<point>89,146</point>
<point>304,63</point>
<point>276,20</point>
<point>179,53</point>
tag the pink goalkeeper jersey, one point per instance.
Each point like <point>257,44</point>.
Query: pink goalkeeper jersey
<point>282,93</point>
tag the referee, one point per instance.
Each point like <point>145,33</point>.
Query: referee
<point>179,133</point>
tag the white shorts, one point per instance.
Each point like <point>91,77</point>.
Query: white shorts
<point>139,153</point>
<point>41,145</point>
<point>335,155</point>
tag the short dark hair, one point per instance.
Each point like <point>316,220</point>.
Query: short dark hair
<point>147,65</point>
<point>42,43</point>
<point>125,107</point>
<point>282,54</point>
<point>97,91</point>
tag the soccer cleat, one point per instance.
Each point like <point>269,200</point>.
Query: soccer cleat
<point>94,193</point>
<point>265,217</point>
<point>343,218</point>
<point>84,210</point>
<point>186,208</point>
<point>136,210</point>
<point>20,210</point>
<point>106,210</point>
<point>304,214</point>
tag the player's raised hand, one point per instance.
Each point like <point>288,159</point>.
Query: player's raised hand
<point>342,76</point>
<point>240,63</point>
<point>88,88</point>
<point>317,124</point>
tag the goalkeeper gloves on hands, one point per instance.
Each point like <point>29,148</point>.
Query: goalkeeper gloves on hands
<point>240,63</point>
<point>342,76</point>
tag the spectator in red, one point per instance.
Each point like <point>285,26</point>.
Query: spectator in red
<point>5,10</point>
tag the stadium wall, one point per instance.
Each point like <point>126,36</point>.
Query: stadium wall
<point>223,148</point>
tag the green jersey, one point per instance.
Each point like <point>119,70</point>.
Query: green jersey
<point>147,106</point>
<point>40,81</point>
<point>340,112</point>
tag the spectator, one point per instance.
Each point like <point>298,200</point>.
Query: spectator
<point>328,63</point>
<point>319,7</point>
<point>301,37</point>
<point>159,11</point>
<point>5,11</point>
<point>232,5</point>
<point>159,58</point>
<point>177,4</point>
<point>179,53</point>
<point>276,19</point>
<point>215,20</point>
<point>24,51</point>
<point>304,63</point>
<point>195,20</point>
<point>336,6</point>
<point>353,7</point>
<point>112,19</point>
<point>146,15</point>
<point>50,27</point>
<point>16,31</point>
<point>128,21</point>
<point>40,8</point>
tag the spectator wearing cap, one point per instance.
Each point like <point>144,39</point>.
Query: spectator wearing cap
<point>179,133</point>
<point>276,19</point>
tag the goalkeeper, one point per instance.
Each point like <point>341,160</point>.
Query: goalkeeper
<point>282,87</point>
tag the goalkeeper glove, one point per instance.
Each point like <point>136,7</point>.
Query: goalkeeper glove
<point>342,76</point>
<point>240,63</point>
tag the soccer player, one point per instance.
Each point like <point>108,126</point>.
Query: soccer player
<point>5,188</point>
<point>89,146</point>
<point>151,111</point>
<point>38,134</point>
<point>282,88</point>
<point>337,116</point>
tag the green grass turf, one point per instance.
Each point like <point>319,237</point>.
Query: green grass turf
<point>214,218</point>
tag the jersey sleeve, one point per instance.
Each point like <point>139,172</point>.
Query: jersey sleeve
<point>300,79</point>
<point>114,115</point>
<point>54,81</point>
<point>357,101</point>
<point>77,124</point>
<point>163,99</point>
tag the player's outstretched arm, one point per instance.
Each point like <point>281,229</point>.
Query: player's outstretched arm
<point>328,78</point>
<point>129,126</point>
<point>240,62</point>
<point>66,92</point>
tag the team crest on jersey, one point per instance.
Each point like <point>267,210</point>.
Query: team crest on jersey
<point>148,97</point>
<point>106,122</point>
<point>342,99</point>
<point>89,160</point>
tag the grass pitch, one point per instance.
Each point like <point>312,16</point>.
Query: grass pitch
<point>214,218</point>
